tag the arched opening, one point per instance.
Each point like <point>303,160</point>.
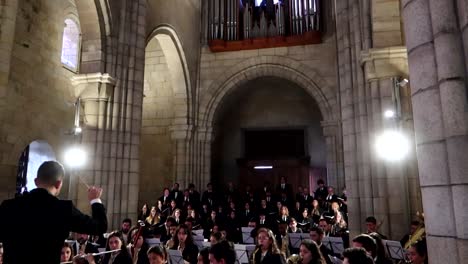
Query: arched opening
<point>165,112</point>
<point>31,158</point>
<point>268,121</point>
<point>71,45</point>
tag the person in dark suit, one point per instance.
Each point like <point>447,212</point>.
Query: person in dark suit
<point>194,196</point>
<point>317,234</point>
<point>176,195</point>
<point>53,219</point>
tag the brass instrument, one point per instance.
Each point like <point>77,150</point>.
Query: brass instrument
<point>419,234</point>
<point>294,259</point>
<point>253,255</point>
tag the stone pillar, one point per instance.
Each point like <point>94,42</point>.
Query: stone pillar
<point>437,42</point>
<point>180,136</point>
<point>330,132</point>
<point>203,156</point>
<point>389,195</point>
<point>95,92</point>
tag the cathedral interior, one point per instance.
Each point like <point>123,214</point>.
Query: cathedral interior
<point>369,95</point>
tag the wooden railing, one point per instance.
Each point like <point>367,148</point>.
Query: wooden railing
<point>252,24</point>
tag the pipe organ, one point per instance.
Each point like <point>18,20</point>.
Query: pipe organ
<point>231,20</point>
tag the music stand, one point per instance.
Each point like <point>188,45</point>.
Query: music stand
<point>198,232</point>
<point>394,249</point>
<point>295,240</point>
<point>153,242</point>
<point>243,252</point>
<point>246,235</point>
<point>198,241</point>
<point>206,244</point>
<point>335,244</point>
<point>175,256</point>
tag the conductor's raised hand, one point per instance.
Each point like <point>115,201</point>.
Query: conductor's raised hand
<point>94,193</point>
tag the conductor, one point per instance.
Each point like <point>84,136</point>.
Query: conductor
<point>33,227</point>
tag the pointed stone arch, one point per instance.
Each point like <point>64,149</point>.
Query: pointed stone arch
<point>180,75</point>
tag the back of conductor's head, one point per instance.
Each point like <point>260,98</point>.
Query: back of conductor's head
<point>49,176</point>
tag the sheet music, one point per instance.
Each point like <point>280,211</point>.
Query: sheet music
<point>153,242</point>
<point>295,239</point>
<point>246,237</point>
<point>243,252</point>
<point>198,241</point>
<point>198,232</point>
<point>175,256</point>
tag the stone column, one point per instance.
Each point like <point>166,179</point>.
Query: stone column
<point>389,180</point>
<point>180,136</point>
<point>95,93</point>
<point>330,132</point>
<point>202,156</point>
<point>437,42</point>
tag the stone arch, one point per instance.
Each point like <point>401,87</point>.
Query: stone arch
<point>277,66</point>
<point>95,26</point>
<point>178,67</point>
<point>264,66</point>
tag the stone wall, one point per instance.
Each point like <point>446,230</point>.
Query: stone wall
<point>312,67</point>
<point>268,103</point>
<point>156,149</point>
<point>37,100</point>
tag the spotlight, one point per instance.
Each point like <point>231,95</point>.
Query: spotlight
<point>75,157</point>
<point>392,145</point>
<point>403,82</point>
<point>77,130</point>
<point>389,114</point>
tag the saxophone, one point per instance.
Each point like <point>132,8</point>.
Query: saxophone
<point>253,255</point>
<point>419,234</point>
<point>294,259</point>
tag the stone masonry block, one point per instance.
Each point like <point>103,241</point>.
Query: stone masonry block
<point>428,122</point>
<point>418,27</point>
<point>449,56</point>
<point>433,166</point>
<point>438,211</point>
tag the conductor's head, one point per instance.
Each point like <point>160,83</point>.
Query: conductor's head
<point>49,176</point>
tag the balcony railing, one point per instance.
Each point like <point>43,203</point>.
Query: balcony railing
<point>252,24</point>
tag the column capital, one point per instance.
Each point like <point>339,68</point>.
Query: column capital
<point>205,133</point>
<point>383,63</point>
<point>329,127</point>
<point>89,85</point>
